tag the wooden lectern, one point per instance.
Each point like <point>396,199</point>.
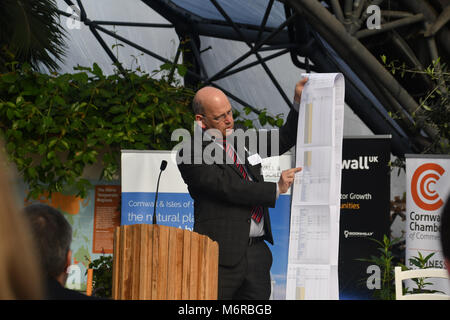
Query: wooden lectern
<point>154,262</point>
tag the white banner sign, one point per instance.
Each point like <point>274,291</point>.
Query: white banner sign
<point>427,187</point>
<point>140,171</point>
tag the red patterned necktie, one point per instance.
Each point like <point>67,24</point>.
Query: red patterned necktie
<point>257,211</point>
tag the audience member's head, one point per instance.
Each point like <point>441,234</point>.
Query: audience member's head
<point>20,275</point>
<point>445,233</point>
<point>53,236</point>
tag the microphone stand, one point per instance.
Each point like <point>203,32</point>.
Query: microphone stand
<point>162,168</point>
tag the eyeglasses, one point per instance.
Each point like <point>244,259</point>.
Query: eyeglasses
<point>222,117</point>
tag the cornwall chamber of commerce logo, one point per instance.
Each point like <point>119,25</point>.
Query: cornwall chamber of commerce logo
<point>423,186</point>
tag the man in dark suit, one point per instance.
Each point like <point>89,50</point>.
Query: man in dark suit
<point>52,235</point>
<point>231,199</point>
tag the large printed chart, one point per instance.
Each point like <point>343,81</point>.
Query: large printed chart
<point>314,231</point>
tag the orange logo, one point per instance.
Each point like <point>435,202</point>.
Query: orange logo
<point>422,191</point>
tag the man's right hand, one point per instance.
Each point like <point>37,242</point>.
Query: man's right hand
<point>299,86</point>
<point>287,179</point>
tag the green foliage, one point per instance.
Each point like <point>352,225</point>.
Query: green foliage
<point>384,261</point>
<point>434,106</point>
<point>420,262</point>
<point>263,117</point>
<point>56,125</point>
<point>102,276</point>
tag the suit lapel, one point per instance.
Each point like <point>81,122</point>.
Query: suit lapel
<point>253,170</point>
<point>225,158</point>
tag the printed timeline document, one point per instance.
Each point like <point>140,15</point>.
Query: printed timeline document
<point>314,231</point>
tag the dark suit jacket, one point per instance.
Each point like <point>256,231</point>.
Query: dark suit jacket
<point>223,199</point>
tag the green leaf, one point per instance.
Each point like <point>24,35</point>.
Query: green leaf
<point>52,142</point>
<point>47,121</point>
<point>426,107</point>
<point>64,144</point>
<point>32,173</point>
<point>386,241</point>
<point>166,66</point>
<point>42,148</point>
<point>159,128</point>
<point>262,117</point>
<point>9,77</point>
<point>119,118</point>
<point>182,70</point>
<point>81,77</point>
<point>415,262</point>
<point>117,109</point>
<point>279,122</point>
<point>428,257</point>
<point>19,100</point>
<point>142,98</point>
<point>58,100</point>
<point>10,114</point>
<point>96,70</point>
<point>11,147</point>
<point>248,123</point>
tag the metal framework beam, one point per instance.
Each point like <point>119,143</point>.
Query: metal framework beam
<point>267,34</point>
<point>255,48</point>
<point>356,55</point>
<point>257,55</point>
<point>133,24</point>
<point>252,64</point>
<point>259,38</point>
<point>264,20</point>
<point>391,25</point>
<point>367,109</point>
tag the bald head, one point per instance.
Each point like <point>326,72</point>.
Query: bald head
<point>208,98</point>
<point>213,109</point>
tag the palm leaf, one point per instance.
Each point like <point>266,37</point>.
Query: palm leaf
<point>31,31</point>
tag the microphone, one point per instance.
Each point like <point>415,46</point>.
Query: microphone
<point>163,165</point>
<point>161,168</point>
